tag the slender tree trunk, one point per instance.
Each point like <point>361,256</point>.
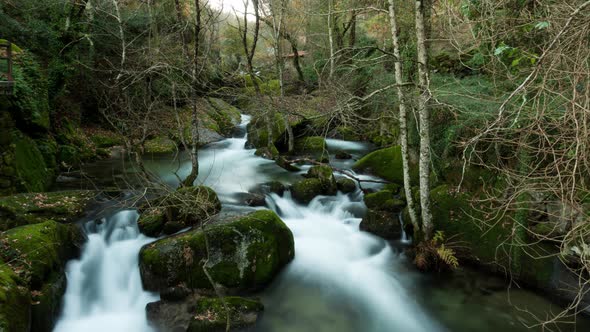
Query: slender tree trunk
<point>424,120</point>
<point>190,179</point>
<point>403,126</point>
<point>331,37</point>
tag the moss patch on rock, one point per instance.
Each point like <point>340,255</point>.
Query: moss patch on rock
<point>160,145</point>
<point>385,163</point>
<point>32,173</point>
<point>211,314</point>
<point>346,185</point>
<point>305,190</point>
<point>314,146</point>
<point>32,208</point>
<point>38,250</point>
<point>243,254</point>
<point>15,301</point>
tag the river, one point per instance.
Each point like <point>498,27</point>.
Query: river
<point>341,279</point>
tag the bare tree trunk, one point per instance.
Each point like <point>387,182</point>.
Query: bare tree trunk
<point>190,179</point>
<point>424,120</point>
<point>331,37</point>
<point>403,125</point>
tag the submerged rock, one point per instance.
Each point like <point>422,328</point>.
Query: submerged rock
<point>269,187</point>
<point>343,155</point>
<point>244,253</point>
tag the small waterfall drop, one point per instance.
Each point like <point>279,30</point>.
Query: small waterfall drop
<point>104,292</point>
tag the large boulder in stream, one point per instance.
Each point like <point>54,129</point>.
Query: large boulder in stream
<point>320,181</point>
<point>185,207</point>
<point>204,314</point>
<point>33,280</point>
<point>386,164</point>
<point>383,213</point>
<point>240,253</point>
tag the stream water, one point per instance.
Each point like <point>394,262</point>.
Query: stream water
<point>341,279</point>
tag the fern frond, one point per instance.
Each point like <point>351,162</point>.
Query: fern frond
<point>421,261</point>
<point>447,255</point>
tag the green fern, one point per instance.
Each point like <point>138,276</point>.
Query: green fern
<point>447,255</point>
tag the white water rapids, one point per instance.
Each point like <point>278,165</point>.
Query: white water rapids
<point>341,279</point>
<point>104,292</point>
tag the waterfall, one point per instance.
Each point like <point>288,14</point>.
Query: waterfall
<point>104,292</point>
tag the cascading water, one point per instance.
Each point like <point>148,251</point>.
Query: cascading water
<point>104,290</point>
<point>341,280</point>
<point>352,271</point>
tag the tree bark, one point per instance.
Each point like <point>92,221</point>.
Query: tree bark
<point>403,126</point>
<point>192,177</point>
<point>424,119</point>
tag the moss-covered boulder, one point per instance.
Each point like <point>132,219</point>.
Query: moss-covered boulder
<point>267,153</point>
<point>15,301</point>
<point>314,147</point>
<point>185,207</point>
<point>243,253</point>
<point>225,115</point>
<point>275,187</point>
<point>35,257</point>
<point>32,208</point>
<point>160,145</point>
<point>31,172</point>
<point>305,190</point>
<point>384,200</point>
<point>382,223</point>
<point>211,314</point>
<point>492,246</point>
<point>325,174</point>
<point>346,185</point>
<point>40,249</point>
<point>195,312</point>
<point>385,163</point>
<point>258,133</point>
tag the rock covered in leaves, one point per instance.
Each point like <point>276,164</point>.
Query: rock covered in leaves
<point>185,207</point>
<point>243,253</point>
<point>32,208</point>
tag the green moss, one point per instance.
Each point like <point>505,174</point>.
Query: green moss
<point>325,175</point>
<point>244,254</point>
<point>305,190</point>
<point>31,170</point>
<point>24,209</point>
<point>377,200</point>
<point>15,301</point>
<point>48,148</point>
<point>381,223</point>
<point>47,303</point>
<point>454,215</point>
<point>346,185</point>
<point>348,133</point>
<point>268,153</point>
<point>211,314</point>
<point>106,140</point>
<point>151,222</point>
<point>69,155</point>
<point>385,163</point>
<point>41,249</point>
<point>225,115</point>
<point>311,145</point>
<point>160,145</point>
<point>258,133</point>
